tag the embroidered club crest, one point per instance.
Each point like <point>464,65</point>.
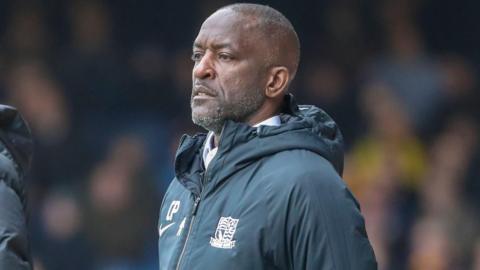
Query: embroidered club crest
<point>224,234</point>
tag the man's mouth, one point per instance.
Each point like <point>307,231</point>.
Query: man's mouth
<point>203,92</point>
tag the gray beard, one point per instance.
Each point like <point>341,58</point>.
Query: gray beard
<point>239,112</point>
<point>212,123</point>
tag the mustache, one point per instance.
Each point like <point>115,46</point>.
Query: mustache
<point>204,89</point>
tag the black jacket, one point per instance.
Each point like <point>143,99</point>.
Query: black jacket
<point>272,198</point>
<point>15,154</point>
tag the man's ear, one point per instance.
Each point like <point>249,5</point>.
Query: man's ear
<point>277,82</point>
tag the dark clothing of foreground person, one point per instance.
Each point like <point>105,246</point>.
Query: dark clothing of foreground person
<point>272,198</point>
<point>15,154</point>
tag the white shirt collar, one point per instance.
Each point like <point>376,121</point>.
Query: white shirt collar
<point>209,150</point>
<point>272,121</point>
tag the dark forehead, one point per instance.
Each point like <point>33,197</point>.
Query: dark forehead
<point>227,26</point>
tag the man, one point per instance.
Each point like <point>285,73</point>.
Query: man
<point>261,190</point>
<point>15,155</point>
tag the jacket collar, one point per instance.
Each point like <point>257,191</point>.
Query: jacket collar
<point>303,127</point>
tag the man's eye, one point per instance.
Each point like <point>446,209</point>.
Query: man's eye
<point>224,56</point>
<point>196,56</point>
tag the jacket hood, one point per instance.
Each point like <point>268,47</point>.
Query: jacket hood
<point>15,135</point>
<point>303,127</point>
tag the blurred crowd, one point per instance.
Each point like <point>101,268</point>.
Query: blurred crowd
<point>105,86</point>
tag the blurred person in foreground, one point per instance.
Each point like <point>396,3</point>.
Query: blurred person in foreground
<point>15,155</point>
<point>261,190</point>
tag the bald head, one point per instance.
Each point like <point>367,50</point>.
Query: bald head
<point>245,56</point>
<point>275,30</point>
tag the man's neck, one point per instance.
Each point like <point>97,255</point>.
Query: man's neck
<point>216,139</point>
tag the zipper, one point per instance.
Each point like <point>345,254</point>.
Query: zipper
<point>194,212</point>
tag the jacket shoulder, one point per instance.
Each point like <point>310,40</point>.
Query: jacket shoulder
<point>301,169</point>
<point>307,198</point>
<point>13,233</point>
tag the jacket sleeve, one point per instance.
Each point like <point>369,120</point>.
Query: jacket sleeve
<point>13,232</point>
<point>322,226</point>
<point>15,154</point>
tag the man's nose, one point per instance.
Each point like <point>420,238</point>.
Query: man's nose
<point>204,68</point>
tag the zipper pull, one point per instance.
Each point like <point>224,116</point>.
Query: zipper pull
<point>195,206</point>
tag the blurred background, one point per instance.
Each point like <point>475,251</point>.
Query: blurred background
<point>105,86</point>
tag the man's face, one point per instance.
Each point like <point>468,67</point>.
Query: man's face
<point>229,73</point>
